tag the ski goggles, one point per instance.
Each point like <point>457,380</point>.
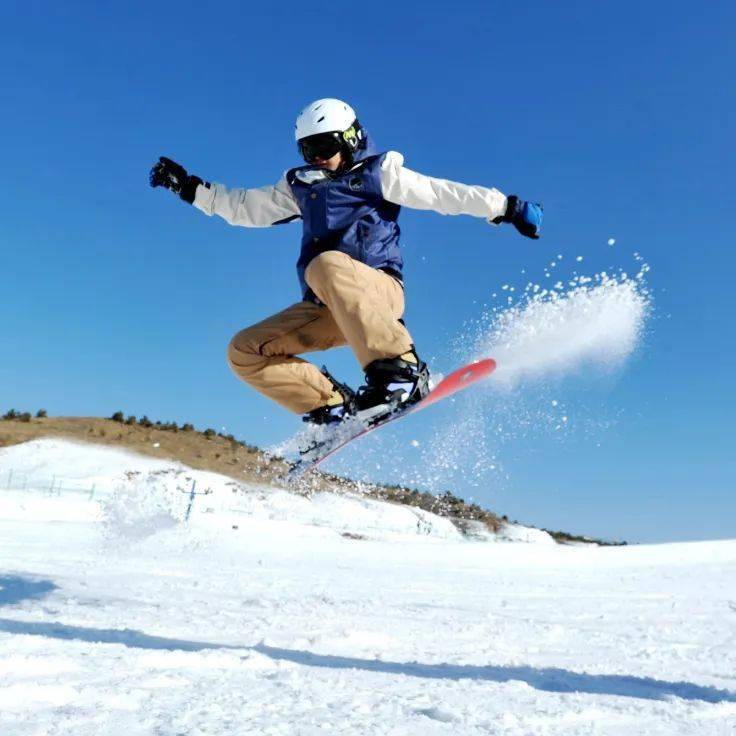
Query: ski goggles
<point>322,146</point>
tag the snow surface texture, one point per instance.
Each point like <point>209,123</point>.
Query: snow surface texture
<point>267,620</point>
<point>140,496</point>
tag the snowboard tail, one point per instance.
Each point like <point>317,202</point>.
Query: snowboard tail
<point>350,430</point>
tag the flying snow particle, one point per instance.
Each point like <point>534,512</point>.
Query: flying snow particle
<point>611,241</point>
<point>597,322</point>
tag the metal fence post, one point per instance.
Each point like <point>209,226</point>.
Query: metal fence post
<point>191,501</point>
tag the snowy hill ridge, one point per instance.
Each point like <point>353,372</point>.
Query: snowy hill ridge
<point>247,465</point>
<point>136,495</point>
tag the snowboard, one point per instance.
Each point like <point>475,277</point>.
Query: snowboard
<point>336,438</point>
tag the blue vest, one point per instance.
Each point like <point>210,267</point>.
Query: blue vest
<point>346,212</point>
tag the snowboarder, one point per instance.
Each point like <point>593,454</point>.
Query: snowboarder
<point>348,196</point>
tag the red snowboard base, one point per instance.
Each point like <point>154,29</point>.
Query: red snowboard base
<point>456,381</point>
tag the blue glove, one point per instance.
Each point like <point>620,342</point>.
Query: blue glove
<point>526,217</point>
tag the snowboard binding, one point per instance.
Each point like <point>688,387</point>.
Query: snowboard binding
<point>392,384</point>
<point>340,405</point>
<point>358,424</point>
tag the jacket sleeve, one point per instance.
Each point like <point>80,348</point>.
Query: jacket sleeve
<point>408,188</point>
<point>260,207</point>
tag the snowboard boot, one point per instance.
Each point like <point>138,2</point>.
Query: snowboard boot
<point>393,383</point>
<point>339,406</point>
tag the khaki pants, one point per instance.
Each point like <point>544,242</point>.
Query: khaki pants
<point>363,307</point>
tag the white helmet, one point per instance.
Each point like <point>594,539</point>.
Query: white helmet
<point>327,126</point>
<point>324,116</point>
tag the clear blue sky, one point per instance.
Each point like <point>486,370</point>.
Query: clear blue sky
<point>619,117</point>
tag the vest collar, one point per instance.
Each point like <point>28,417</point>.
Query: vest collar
<point>310,175</point>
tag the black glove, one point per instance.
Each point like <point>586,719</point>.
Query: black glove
<point>526,217</point>
<point>173,176</point>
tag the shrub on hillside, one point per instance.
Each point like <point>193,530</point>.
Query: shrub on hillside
<point>131,419</point>
<point>25,416</point>
<point>10,414</point>
<point>209,433</point>
<point>41,414</point>
<point>144,421</point>
<point>187,427</point>
<point>118,416</point>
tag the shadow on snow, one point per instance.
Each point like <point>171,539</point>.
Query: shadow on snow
<point>126,637</point>
<point>549,679</point>
<point>14,589</point>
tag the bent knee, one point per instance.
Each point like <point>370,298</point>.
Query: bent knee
<point>325,263</point>
<point>243,353</point>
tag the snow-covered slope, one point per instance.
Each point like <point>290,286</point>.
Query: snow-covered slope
<point>135,492</point>
<point>116,619</point>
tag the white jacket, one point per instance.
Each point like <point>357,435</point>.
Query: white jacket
<point>269,205</point>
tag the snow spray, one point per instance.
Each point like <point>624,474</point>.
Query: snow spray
<point>589,322</point>
<point>585,326</point>
<point>142,506</point>
<point>541,336</point>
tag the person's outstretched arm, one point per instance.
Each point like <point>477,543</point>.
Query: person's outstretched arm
<point>408,188</point>
<point>261,207</point>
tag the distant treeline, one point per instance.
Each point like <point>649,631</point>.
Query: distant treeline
<point>144,421</point>
<point>24,416</point>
